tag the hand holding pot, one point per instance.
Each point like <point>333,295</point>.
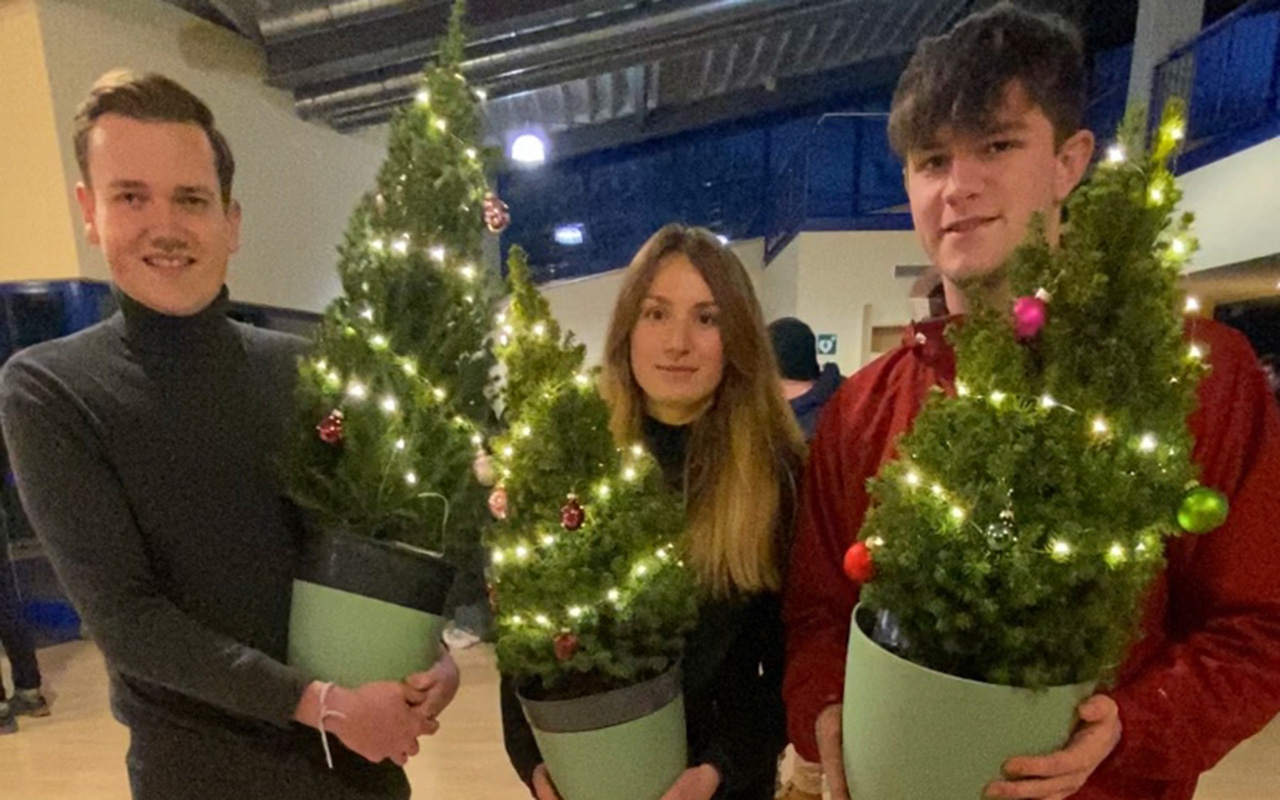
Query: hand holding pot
<point>543,788</point>
<point>1059,775</point>
<point>434,689</point>
<point>831,750</point>
<point>695,783</point>
<point>377,722</point>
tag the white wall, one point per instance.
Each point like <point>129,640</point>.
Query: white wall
<point>1237,205</point>
<point>297,181</point>
<point>846,287</point>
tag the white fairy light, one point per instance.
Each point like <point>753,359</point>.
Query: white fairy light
<point>1178,246</point>
<point>937,490</point>
<point>1176,133</point>
<point>542,620</point>
<point>637,450</point>
<point>410,367</point>
<point>957,513</point>
<point>997,397</point>
<point>603,490</point>
<point>875,541</point>
<point>508,451</point>
<point>1100,426</point>
<point>471,152</point>
<point>516,619</point>
<point>522,552</point>
<point>581,380</point>
<point>1115,154</point>
<point>525,431</point>
<point>548,540</point>
<point>1192,306</point>
<point>641,570</point>
<point>357,391</point>
<point>482,95</point>
<point>469,299</point>
<point>1195,352</point>
<point>629,473</point>
<point>477,440</point>
<point>504,340</point>
<point>468,272</point>
<point>334,378</point>
<point>961,389</point>
<point>439,394</point>
<point>1048,402</point>
<point>508,330</point>
<point>377,245</point>
<point>411,478</point>
<point>539,330</point>
<point>378,340</point>
<point>367,313</point>
<point>912,478</point>
<point>1147,443</point>
<point>401,444</point>
<point>389,404</point>
<point>442,125</point>
<point>661,554</point>
<point>401,246</point>
<point>1060,549</point>
<point>613,595</point>
<point>436,253</point>
<point>1157,194</point>
<point>423,97</point>
<point>1116,554</point>
<point>321,365</point>
<point>575,612</point>
<point>499,557</point>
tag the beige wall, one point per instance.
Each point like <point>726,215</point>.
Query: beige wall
<point>297,181</point>
<point>37,233</point>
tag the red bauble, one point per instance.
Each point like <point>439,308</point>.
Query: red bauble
<point>496,214</point>
<point>572,515</point>
<point>330,428</point>
<point>858,564</point>
<point>566,645</point>
<point>498,503</point>
<point>1029,316</point>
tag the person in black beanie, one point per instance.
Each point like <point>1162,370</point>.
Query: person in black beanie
<point>806,386</point>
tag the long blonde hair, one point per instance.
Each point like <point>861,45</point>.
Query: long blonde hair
<point>745,448</point>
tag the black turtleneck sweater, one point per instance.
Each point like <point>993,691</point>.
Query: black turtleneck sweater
<point>731,669</point>
<point>144,450</point>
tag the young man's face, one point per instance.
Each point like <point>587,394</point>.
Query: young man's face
<point>154,207</point>
<point>973,196</point>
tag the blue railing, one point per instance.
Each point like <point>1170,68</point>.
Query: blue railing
<point>1229,74</point>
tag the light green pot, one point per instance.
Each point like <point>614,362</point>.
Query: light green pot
<point>366,610</point>
<point>351,640</point>
<point>628,744</point>
<point>911,733</point>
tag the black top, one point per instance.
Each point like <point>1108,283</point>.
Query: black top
<point>732,672</point>
<point>145,454</point>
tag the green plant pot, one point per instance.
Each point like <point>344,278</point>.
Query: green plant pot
<point>365,610</point>
<point>628,744</point>
<point>911,732</point>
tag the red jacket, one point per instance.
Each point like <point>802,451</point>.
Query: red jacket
<point>1205,676</point>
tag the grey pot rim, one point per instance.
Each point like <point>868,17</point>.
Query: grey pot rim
<point>607,709</point>
<point>864,612</point>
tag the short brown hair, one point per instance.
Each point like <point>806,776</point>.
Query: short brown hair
<point>746,448</point>
<point>959,79</point>
<point>149,97</point>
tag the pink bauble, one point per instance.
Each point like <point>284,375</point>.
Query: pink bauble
<point>1029,316</point>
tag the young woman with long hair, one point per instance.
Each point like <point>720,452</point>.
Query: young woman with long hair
<point>689,369</point>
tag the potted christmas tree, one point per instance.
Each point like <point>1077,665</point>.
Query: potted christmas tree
<point>1011,543</point>
<point>591,595</point>
<point>393,401</point>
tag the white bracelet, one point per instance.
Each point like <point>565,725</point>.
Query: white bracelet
<point>326,713</point>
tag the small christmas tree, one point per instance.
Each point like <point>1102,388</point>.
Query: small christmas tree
<point>1013,539</point>
<point>393,403</point>
<point>590,588</point>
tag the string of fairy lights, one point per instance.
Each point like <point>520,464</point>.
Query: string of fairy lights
<point>635,465</point>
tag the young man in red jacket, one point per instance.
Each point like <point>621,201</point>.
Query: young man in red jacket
<point>988,121</point>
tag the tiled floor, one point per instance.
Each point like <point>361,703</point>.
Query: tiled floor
<point>78,753</point>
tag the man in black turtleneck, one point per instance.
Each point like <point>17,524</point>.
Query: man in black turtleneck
<point>144,452</point>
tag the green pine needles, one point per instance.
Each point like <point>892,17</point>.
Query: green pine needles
<point>1015,537</point>
<point>393,402</point>
<point>590,588</point>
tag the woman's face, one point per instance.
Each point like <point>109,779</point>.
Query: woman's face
<point>677,356</point>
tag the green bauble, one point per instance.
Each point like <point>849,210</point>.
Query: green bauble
<point>1202,510</point>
